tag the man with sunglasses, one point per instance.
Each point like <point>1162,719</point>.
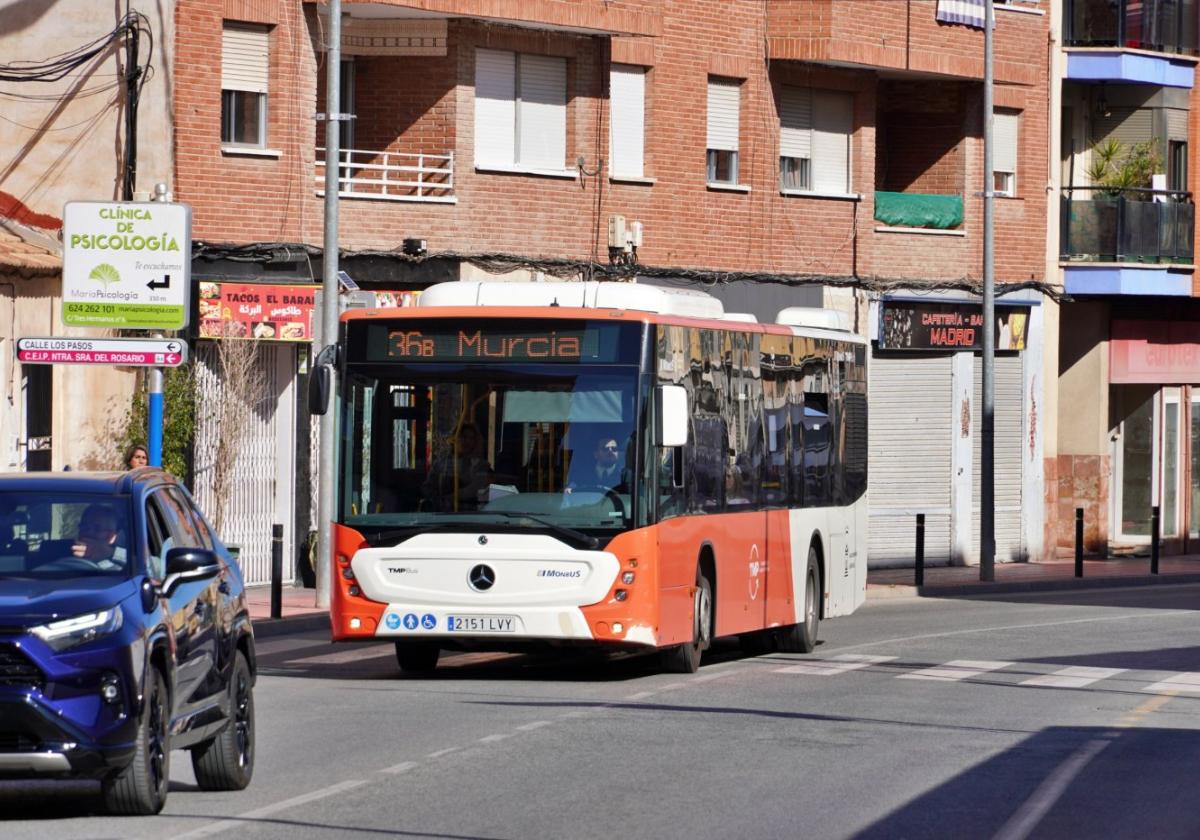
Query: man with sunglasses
<point>97,540</point>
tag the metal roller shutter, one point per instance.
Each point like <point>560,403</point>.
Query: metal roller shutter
<point>833,123</point>
<point>1009,469</point>
<point>724,100</point>
<point>910,469</point>
<point>495,108</point>
<point>245,63</point>
<point>542,113</point>
<point>795,122</point>
<point>1126,125</point>
<point>627,105</point>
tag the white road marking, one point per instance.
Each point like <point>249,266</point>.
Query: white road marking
<point>240,820</point>
<point>1074,677</point>
<point>537,724</point>
<point>343,657</point>
<point>441,753</point>
<point>1187,682</point>
<point>956,670</point>
<point>490,739</point>
<point>671,686</point>
<point>835,665</point>
<point>641,695</point>
<point>402,767</point>
<point>1031,812</point>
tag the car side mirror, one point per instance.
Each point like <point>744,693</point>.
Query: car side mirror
<point>189,564</point>
<point>671,412</point>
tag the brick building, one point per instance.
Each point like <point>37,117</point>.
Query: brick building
<point>836,141</point>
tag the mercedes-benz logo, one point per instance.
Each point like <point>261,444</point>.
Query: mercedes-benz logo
<point>483,539</point>
<point>481,578</point>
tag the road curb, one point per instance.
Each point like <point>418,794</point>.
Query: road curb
<point>883,592</point>
<point>304,623</point>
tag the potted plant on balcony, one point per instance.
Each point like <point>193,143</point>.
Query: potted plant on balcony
<point>1117,167</point>
<point>1122,219</point>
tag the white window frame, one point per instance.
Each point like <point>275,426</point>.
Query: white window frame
<point>245,72</point>
<point>1006,127</point>
<point>808,129</point>
<point>723,131</point>
<point>504,111</point>
<point>627,122</point>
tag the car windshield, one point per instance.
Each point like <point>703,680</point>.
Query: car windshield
<point>509,445</point>
<point>60,535</point>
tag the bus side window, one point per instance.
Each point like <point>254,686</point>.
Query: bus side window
<point>817,448</point>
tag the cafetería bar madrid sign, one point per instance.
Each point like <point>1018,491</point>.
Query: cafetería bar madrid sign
<point>948,325</point>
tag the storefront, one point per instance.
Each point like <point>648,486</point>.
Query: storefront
<point>925,443</point>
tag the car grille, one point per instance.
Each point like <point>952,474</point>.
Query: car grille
<point>16,669</point>
<point>11,742</point>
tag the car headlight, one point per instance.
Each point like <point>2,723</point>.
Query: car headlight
<point>69,632</point>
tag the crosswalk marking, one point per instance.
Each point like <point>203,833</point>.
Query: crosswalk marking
<point>1187,682</point>
<point>956,670</point>
<point>835,665</point>
<point>1075,677</point>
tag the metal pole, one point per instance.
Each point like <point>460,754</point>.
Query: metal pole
<point>276,570</point>
<point>154,383</point>
<point>1078,542</point>
<point>1155,524</point>
<point>920,549</point>
<point>329,299</point>
<point>987,475</point>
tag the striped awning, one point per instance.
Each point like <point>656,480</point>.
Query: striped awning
<point>966,12</point>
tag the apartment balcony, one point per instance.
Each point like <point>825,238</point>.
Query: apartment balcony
<point>391,176</point>
<point>890,35</point>
<point>1168,26</point>
<point>1134,226</point>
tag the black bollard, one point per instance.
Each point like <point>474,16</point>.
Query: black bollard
<point>276,570</point>
<point>920,564</point>
<point>1154,530</point>
<point>1079,542</point>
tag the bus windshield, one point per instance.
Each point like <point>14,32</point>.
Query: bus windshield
<point>504,445</point>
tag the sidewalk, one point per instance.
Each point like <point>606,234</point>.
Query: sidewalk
<point>300,614</point>
<point>944,581</point>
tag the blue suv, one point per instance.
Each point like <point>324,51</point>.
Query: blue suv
<point>124,634</point>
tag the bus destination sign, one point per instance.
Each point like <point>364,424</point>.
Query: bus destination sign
<point>561,342</point>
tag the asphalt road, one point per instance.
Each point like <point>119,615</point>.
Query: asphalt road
<point>1054,715</point>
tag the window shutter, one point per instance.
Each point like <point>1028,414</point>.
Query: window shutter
<point>627,120</point>
<point>542,111</point>
<point>1126,125</point>
<point>833,123</point>
<point>1177,120</point>
<point>244,58</point>
<point>723,101</point>
<point>495,108</point>
<point>1004,133</point>
<point>795,123</point>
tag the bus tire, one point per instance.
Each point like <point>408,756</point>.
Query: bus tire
<point>802,637</point>
<point>685,658</point>
<point>417,657</point>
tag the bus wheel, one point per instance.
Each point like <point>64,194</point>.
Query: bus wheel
<point>685,658</point>
<point>417,657</point>
<point>802,637</point>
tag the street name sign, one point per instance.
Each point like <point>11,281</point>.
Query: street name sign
<point>126,265</point>
<point>134,352</point>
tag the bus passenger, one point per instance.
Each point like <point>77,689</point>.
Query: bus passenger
<point>463,466</point>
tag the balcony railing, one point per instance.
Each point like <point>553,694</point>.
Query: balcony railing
<point>391,176</point>
<point>1100,224</point>
<point>1160,25</point>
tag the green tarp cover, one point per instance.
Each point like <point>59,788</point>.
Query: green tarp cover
<point>919,209</point>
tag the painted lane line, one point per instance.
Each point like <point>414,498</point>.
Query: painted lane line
<point>641,695</point>
<point>1022,823</point>
<point>343,657</point>
<point>1075,677</point>
<point>402,767</point>
<point>956,670</point>
<point>296,801</point>
<point>671,686</point>
<point>491,739</point>
<point>1187,682</point>
<point>537,724</point>
<point>835,665</point>
<point>441,753</point>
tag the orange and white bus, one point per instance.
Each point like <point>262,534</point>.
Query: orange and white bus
<point>595,464</point>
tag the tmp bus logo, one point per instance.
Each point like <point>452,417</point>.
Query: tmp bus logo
<point>481,578</point>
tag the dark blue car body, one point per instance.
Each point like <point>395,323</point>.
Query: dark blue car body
<point>78,711</point>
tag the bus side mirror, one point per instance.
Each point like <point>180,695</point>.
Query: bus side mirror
<point>318,389</point>
<point>671,411</point>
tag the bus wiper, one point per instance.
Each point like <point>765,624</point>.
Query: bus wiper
<point>586,539</point>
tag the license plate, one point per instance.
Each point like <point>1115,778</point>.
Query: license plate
<point>481,623</point>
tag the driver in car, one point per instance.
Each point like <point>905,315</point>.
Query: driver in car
<point>97,540</point>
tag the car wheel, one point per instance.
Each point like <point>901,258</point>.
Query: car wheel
<point>227,761</point>
<point>141,788</point>
<point>802,637</point>
<point>685,658</point>
<point>417,657</point>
